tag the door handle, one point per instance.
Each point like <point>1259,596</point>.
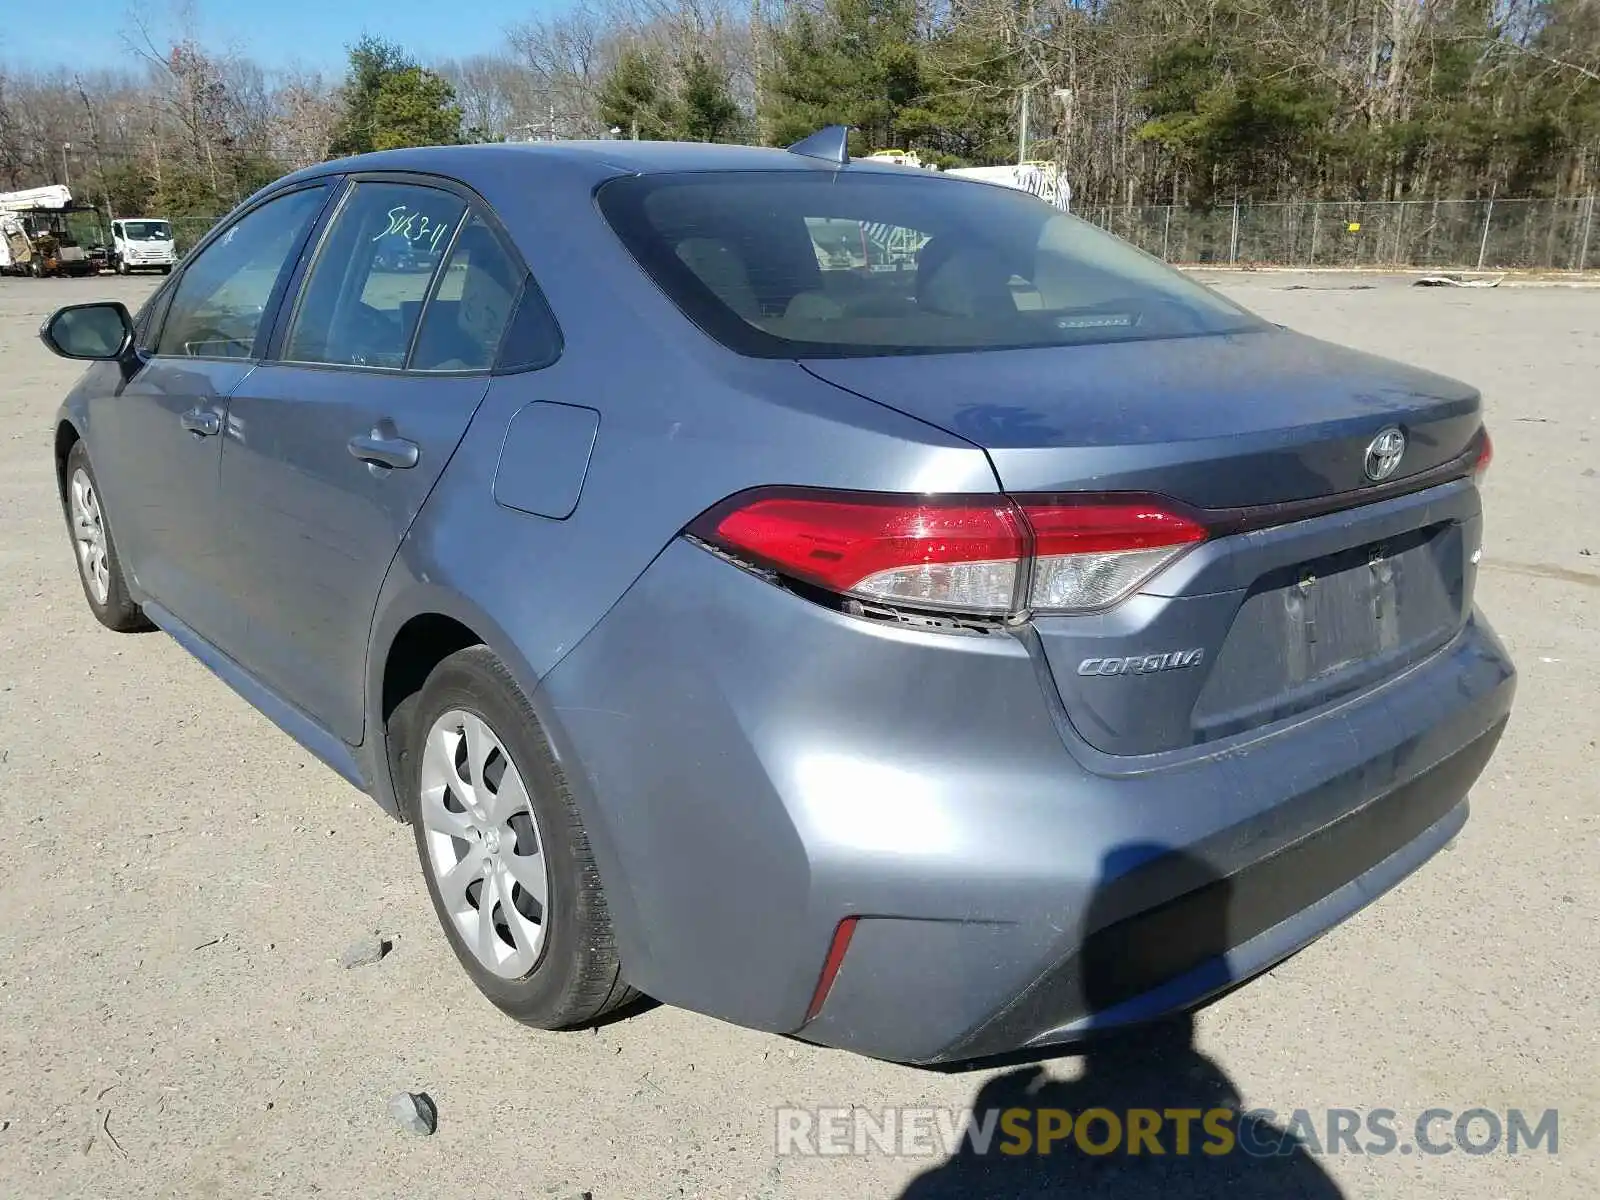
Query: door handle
<point>201,423</point>
<point>376,450</point>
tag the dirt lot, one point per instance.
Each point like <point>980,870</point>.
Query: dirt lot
<point>177,881</point>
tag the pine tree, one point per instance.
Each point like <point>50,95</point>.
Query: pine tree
<point>855,62</point>
<point>705,108</point>
<point>633,97</point>
<point>390,101</point>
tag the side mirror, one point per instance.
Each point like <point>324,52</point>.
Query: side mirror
<point>102,331</point>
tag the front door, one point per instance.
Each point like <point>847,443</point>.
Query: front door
<point>156,443</point>
<point>331,450</point>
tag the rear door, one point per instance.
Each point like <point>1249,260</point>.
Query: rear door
<point>155,443</point>
<point>332,448</point>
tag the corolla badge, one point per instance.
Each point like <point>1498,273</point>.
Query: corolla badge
<point>1143,664</point>
<point>1384,453</point>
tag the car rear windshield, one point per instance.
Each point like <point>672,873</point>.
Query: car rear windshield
<point>800,264</point>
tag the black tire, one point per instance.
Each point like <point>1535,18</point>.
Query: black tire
<point>122,266</point>
<point>166,270</point>
<point>118,612</point>
<point>578,975</point>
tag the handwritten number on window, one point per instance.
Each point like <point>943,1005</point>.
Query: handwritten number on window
<point>417,228</point>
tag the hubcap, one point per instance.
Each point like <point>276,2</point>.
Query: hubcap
<point>482,844</point>
<point>89,535</point>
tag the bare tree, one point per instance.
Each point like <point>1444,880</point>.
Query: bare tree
<point>566,59</point>
<point>305,109</point>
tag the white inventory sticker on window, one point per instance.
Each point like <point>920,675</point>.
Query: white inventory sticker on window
<point>1096,321</point>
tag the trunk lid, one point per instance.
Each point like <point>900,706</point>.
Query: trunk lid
<point>1220,422</point>
<point>1320,583</point>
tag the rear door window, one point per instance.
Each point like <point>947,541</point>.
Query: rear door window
<point>363,298</point>
<point>467,317</point>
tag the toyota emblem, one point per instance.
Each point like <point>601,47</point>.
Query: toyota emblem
<point>1384,454</point>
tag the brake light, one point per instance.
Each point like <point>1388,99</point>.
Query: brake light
<point>957,554</point>
<point>986,555</point>
<point>1485,457</point>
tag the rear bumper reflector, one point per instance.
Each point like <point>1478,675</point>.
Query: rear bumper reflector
<point>830,966</point>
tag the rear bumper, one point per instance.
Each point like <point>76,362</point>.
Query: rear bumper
<point>1220,930</point>
<point>756,768</point>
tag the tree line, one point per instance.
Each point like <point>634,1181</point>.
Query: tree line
<point>1142,101</point>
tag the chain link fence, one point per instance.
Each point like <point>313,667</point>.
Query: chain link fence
<point>1548,235</point>
<point>1489,235</point>
<point>186,231</point>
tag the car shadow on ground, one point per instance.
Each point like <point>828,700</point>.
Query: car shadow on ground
<point>636,1007</point>
<point>1216,1151</point>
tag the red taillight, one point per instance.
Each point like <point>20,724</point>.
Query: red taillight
<point>1065,526</point>
<point>961,553</point>
<point>1485,457</point>
<point>952,553</point>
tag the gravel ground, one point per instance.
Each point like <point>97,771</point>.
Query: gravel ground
<point>178,882</point>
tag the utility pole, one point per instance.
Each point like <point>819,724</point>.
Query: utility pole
<point>1488,218</point>
<point>99,162</point>
<point>1588,226</point>
<point>1064,95</point>
<point>758,40</point>
<point>1027,95</point>
<point>1022,133</point>
<point>66,173</point>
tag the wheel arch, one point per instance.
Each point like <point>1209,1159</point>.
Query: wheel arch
<point>416,631</point>
<point>415,647</point>
<point>67,436</point>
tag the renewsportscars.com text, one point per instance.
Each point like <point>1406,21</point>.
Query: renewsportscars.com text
<point>1136,1132</point>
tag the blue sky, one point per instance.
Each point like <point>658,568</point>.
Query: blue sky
<point>312,33</point>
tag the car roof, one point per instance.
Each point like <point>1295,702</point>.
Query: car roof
<point>595,160</point>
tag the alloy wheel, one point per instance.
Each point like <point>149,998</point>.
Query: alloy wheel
<point>482,844</point>
<point>89,535</point>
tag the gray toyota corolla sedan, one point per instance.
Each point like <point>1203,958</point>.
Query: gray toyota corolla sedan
<point>854,602</point>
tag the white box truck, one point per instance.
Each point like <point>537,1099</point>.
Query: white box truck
<point>142,244</point>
